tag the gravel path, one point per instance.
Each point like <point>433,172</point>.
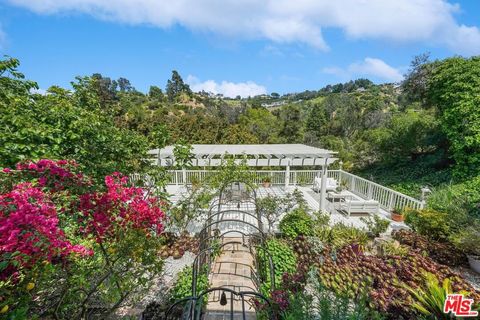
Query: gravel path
<point>161,284</point>
<point>471,276</point>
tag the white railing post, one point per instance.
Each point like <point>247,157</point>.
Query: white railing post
<point>184,176</point>
<point>287,174</point>
<point>323,187</point>
<point>390,201</point>
<point>369,192</point>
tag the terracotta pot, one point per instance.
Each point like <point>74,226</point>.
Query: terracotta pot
<point>474,262</point>
<point>397,217</point>
<point>266,184</point>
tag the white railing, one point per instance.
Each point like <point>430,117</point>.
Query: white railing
<point>386,197</point>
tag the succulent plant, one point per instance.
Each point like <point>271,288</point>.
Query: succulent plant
<point>441,252</point>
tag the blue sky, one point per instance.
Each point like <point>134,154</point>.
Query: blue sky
<point>233,47</point>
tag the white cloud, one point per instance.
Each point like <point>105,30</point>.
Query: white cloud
<point>376,68</point>
<point>226,88</point>
<point>40,91</point>
<point>369,67</point>
<point>286,21</point>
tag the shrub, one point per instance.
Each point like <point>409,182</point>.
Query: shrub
<point>271,208</point>
<point>468,240</point>
<point>283,259</point>
<point>376,225</point>
<point>292,302</point>
<point>429,222</point>
<point>183,286</point>
<point>65,247</point>
<point>392,248</point>
<point>296,223</point>
<point>430,298</point>
<point>341,235</point>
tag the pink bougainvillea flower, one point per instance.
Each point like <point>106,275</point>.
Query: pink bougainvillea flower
<point>29,229</point>
<point>121,207</point>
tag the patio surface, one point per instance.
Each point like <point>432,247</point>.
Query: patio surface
<point>313,199</point>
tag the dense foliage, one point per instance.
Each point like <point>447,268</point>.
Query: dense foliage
<point>454,88</point>
<point>283,259</point>
<point>183,285</point>
<point>329,283</point>
<point>296,223</point>
<point>63,124</point>
<point>428,123</point>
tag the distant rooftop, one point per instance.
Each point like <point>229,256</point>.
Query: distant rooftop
<point>257,155</point>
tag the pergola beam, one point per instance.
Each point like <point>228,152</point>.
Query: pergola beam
<point>263,155</point>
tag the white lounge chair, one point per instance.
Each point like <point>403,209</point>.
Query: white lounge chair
<point>359,206</point>
<point>332,184</point>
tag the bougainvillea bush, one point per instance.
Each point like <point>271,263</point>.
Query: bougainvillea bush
<point>70,248</point>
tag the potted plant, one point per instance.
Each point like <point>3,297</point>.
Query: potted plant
<point>397,215</point>
<point>266,181</point>
<point>468,240</point>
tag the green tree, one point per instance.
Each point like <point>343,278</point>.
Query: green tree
<point>407,136</point>
<point>176,86</point>
<point>124,85</point>
<point>415,85</point>
<point>13,85</point>
<point>156,93</point>
<point>60,125</point>
<point>236,134</point>
<point>261,123</point>
<point>292,124</point>
<point>316,120</point>
<point>454,88</point>
<point>182,152</point>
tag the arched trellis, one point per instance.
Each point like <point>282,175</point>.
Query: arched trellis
<point>198,259</point>
<point>192,309</point>
<point>257,237</point>
<point>251,197</point>
<point>206,232</point>
<point>216,217</point>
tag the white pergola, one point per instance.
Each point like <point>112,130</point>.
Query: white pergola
<point>255,155</point>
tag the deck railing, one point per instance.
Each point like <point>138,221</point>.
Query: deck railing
<point>386,197</point>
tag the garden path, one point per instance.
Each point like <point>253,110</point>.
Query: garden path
<point>233,269</point>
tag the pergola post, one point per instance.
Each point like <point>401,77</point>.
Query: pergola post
<point>287,174</point>
<point>323,187</point>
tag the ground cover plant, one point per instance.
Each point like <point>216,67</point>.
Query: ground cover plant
<point>339,267</point>
<point>283,259</point>
<point>441,252</point>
